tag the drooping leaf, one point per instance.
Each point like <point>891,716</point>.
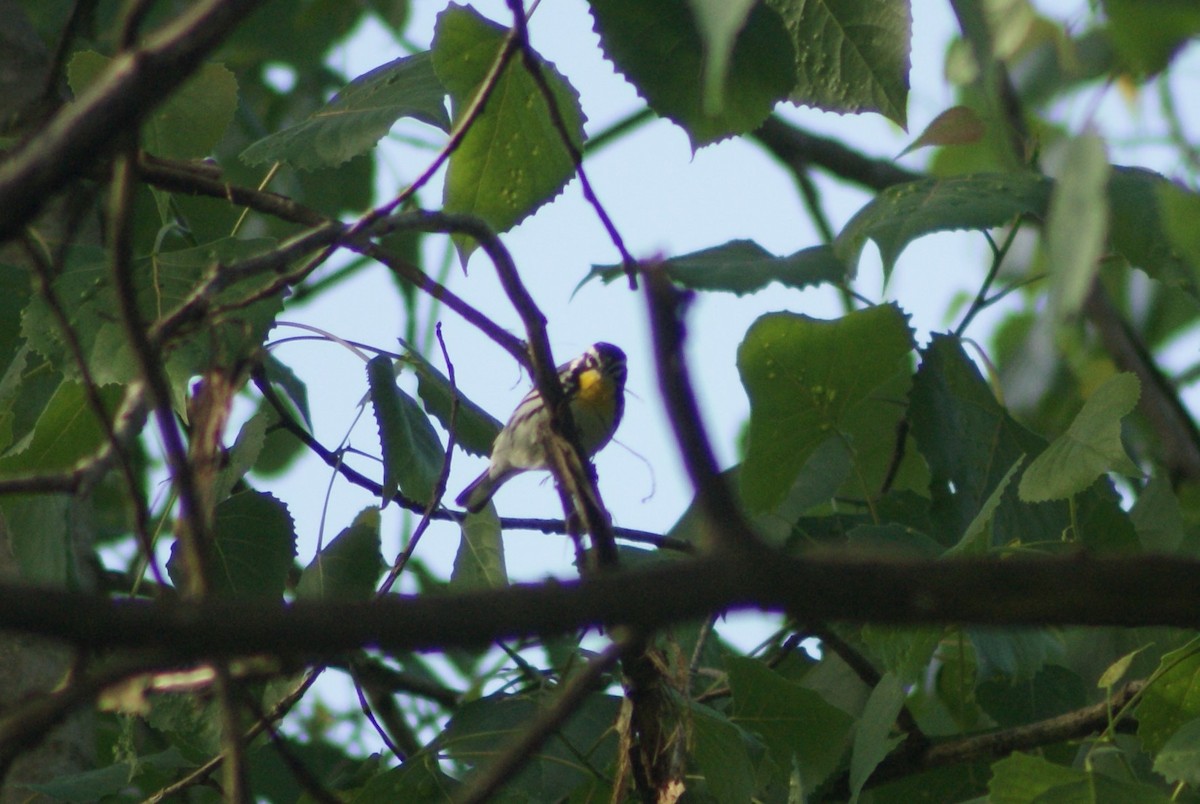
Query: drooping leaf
<point>904,212</point>
<point>796,724</point>
<point>513,158</point>
<point>243,454</point>
<point>474,428</point>
<point>806,379</point>
<point>741,267</point>
<point>874,738</point>
<point>348,567</point>
<point>254,542</point>
<point>355,119</point>
<point>1090,447</point>
<point>659,50</point>
<point>851,56</point>
<point>412,451</point>
<point>1077,224</point>
<point>480,559</point>
<point>190,123</point>
<point>958,125</point>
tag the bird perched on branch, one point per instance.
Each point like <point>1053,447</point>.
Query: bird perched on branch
<point>594,387</point>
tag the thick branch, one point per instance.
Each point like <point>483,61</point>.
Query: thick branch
<point>1126,591</point>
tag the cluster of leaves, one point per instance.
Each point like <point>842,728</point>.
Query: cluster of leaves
<point>858,440</point>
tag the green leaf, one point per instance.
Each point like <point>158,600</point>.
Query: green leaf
<point>1053,691</point>
<point>1179,759</point>
<point>806,380</point>
<point>1172,699</point>
<point>474,428</point>
<point>66,432</point>
<point>41,536</point>
<point>1077,224</point>
<point>512,159</point>
<point>902,650</point>
<point>719,748</point>
<point>874,739</point>
<point>1090,447</point>
<point>418,781</point>
<point>1149,34</point>
<point>349,566</point>
<point>795,723</point>
<point>1139,227</point>
<point>112,780</point>
<point>904,212</point>
<point>741,267</point>
<point>254,542</point>
<point>480,559</point>
<point>1016,654</point>
<point>483,729</point>
<point>977,539</point>
<point>355,119</point>
<point>164,281</point>
<point>1117,670</point>
<point>1180,212</point>
<point>243,454</point>
<point>1020,778</point>
<point>851,56</point>
<point>1158,517</point>
<point>191,123</point>
<point>412,451</point>
<point>970,442</point>
<point>658,49</point>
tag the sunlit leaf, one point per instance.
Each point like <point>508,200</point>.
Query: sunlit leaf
<point>805,379</point>
<point>851,56</point>
<point>513,158</point>
<point>659,50</point>
<point>480,559</point>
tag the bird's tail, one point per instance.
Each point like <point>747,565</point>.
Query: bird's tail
<point>481,489</point>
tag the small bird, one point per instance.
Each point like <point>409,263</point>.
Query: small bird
<point>594,386</point>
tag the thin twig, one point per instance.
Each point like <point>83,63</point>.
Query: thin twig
<point>141,513</point>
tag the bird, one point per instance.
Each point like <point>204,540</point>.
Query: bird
<point>594,386</point>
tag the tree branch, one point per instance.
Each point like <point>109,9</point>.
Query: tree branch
<point>1066,590</point>
<point>135,83</point>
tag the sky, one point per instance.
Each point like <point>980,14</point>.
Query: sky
<point>665,201</point>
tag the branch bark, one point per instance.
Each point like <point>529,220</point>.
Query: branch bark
<point>1070,590</point>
